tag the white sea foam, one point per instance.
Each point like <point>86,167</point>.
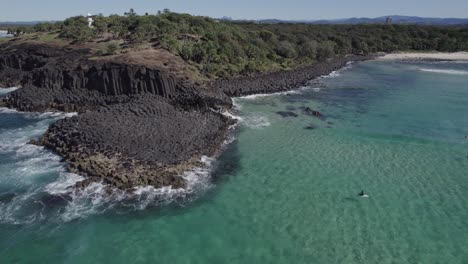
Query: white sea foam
<point>63,183</point>
<point>236,104</point>
<point>332,74</point>
<point>37,115</point>
<point>256,96</point>
<point>13,212</point>
<point>338,73</point>
<point>256,121</point>
<point>446,71</point>
<point>28,168</point>
<point>96,198</point>
<point>4,110</point>
<point>4,91</point>
<point>36,199</point>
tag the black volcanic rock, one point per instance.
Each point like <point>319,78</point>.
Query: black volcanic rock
<point>137,125</point>
<point>283,80</point>
<point>145,141</point>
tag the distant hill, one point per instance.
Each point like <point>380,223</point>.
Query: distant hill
<point>21,23</point>
<point>7,24</point>
<point>397,20</point>
<point>378,20</point>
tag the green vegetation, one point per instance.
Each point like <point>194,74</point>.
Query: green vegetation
<point>111,48</point>
<point>223,48</point>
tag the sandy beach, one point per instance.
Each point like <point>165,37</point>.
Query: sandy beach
<point>449,56</point>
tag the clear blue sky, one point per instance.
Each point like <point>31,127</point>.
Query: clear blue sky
<point>27,10</point>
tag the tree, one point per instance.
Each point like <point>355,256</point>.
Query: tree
<point>76,28</point>
<point>309,49</point>
<point>325,50</point>
<point>286,49</point>
<point>130,13</point>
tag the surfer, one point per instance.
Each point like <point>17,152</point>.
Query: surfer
<point>363,194</point>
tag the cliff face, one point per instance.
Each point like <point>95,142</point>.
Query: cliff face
<point>137,125</point>
<point>78,86</point>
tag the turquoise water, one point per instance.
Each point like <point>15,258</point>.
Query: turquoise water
<point>282,192</point>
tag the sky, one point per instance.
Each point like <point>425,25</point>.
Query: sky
<point>32,10</point>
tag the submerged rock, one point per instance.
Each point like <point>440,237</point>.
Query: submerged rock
<point>311,127</point>
<point>287,114</point>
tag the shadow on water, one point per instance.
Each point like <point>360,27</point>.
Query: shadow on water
<point>350,199</point>
<point>227,164</point>
<point>285,114</point>
<point>290,108</point>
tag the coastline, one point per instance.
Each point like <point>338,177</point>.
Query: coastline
<point>283,81</point>
<point>175,121</point>
<point>425,56</point>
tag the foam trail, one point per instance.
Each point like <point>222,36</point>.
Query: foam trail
<point>446,71</point>
<point>28,169</point>
<point>63,184</point>
<point>256,96</point>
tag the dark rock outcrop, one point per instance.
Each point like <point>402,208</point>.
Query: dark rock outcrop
<point>284,80</point>
<point>137,125</point>
<point>144,142</point>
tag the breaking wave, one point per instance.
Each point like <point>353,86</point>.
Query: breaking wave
<point>337,73</point>
<point>36,187</point>
<point>4,91</point>
<point>256,96</point>
<point>97,198</point>
<point>446,71</point>
<point>255,121</point>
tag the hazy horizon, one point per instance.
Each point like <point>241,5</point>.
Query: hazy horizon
<point>30,10</point>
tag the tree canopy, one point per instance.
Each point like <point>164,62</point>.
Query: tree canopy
<point>227,48</point>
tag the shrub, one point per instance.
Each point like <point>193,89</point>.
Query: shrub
<point>111,48</point>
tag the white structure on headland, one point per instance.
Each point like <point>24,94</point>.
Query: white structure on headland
<point>90,20</point>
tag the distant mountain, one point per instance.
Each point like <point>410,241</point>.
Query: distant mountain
<point>24,23</point>
<point>397,20</point>
<point>16,23</point>
<point>378,20</point>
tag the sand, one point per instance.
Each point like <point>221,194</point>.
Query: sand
<point>453,56</point>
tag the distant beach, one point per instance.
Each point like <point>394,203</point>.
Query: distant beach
<point>448,56</point>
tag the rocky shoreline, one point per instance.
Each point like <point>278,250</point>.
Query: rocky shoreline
<point>284,80</point>
<point>137,125</point>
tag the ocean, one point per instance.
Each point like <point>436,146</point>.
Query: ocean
<point>3,33</point>
<point>283,191</point>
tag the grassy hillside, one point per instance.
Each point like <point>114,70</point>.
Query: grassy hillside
<point>224,49</point>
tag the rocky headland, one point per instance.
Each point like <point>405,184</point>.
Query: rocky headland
<point>138,124</point>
